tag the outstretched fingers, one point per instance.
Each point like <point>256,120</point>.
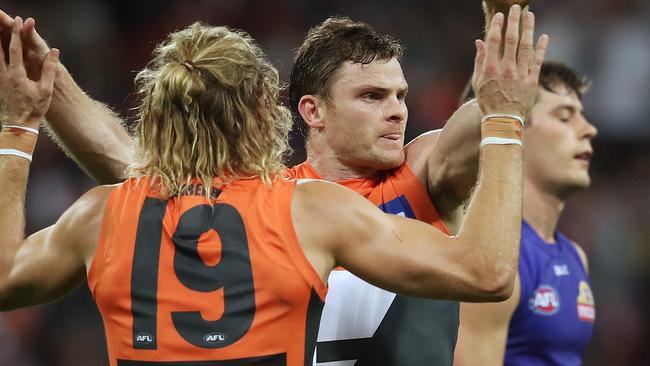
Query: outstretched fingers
<point>480,56</point>
<point>526,51</point>
<point>16,47</point>
<point>46,83</point>
<point>34,40</point>
<point>494,41</point>
<point>536,66</point>
<point>512,35</point>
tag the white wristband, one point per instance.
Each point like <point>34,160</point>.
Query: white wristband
<point>499,141</point>
<point>29,129</point>
<point>15,152</point>
<point>503,115</point>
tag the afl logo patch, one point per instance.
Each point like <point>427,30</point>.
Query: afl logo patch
<point>214,338</point>
<point>144,338</point>
<point>545,301</point>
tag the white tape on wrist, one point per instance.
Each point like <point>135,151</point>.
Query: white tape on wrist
<point>499,141</point>
<point>28,129</point>
<point>15,152</point>
<point>503,115</point>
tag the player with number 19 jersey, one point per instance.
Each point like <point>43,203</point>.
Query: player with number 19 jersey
<point>185,281</point>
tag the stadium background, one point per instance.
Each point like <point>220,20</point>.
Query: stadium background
<point>104,42</point>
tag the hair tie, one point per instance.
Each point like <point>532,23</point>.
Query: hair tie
<point>189,65</point>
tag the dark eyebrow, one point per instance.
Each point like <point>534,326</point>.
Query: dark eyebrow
<point>568,107</point>
<point>379,89</point>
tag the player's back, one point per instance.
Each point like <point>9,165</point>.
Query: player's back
<point>189,280</point>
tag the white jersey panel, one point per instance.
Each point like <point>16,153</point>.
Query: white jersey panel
<point>353,308</point>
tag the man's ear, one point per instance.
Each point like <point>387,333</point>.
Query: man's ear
<point>311,109</point>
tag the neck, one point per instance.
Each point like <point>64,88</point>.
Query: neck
<point>542,210</point>
<point>329,165</point>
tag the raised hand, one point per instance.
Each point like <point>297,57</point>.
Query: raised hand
<point>35,49</point>
<point>493,6</point>
<point>23,100</point>
<point>508,83</point>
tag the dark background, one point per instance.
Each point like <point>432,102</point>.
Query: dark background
<point>104,43</point>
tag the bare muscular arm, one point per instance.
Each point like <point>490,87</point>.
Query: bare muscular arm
<point>50,262</point>
<point>338,227</point>
<point>483,331</point>
<point>88,131</point>
<point>447,160</point>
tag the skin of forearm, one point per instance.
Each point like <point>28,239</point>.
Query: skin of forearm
<point>459,143</point>
<point>492,225</point>
<point>88,131</point>
<point>13,180</point>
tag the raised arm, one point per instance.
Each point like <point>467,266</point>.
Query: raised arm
<point>51,262</point>
<point>87,130</point>
<point>448,160</point>
<point>338,227</point>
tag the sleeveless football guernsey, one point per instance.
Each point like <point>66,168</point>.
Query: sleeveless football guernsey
<point>190,282</point>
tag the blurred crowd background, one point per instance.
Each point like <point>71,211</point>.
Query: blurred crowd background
<point>105,42</point>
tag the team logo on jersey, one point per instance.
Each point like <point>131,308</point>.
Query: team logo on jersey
<point>586,304</point>
<point>214,338</point>
<point>561,270</point>
<point>144,338</point>
<point>545,301</point>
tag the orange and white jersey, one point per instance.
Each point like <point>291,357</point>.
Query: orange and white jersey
<point>188,281</point>
<point>366,325</point>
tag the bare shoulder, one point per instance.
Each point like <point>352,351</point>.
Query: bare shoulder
<point>582,254</point>
<point>81,223</point>
<point>90,204</point>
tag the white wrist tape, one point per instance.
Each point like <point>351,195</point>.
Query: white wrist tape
<point>499,141</point>
<point>15,152</point>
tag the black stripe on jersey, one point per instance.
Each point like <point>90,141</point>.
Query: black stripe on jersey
<point>144,274</point>
<point>314,312</point>
<point>346,349</point>
<point>279,359</point>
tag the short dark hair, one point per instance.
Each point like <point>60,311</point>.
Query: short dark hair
<point>326,47</point>
<point>552,75</point>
